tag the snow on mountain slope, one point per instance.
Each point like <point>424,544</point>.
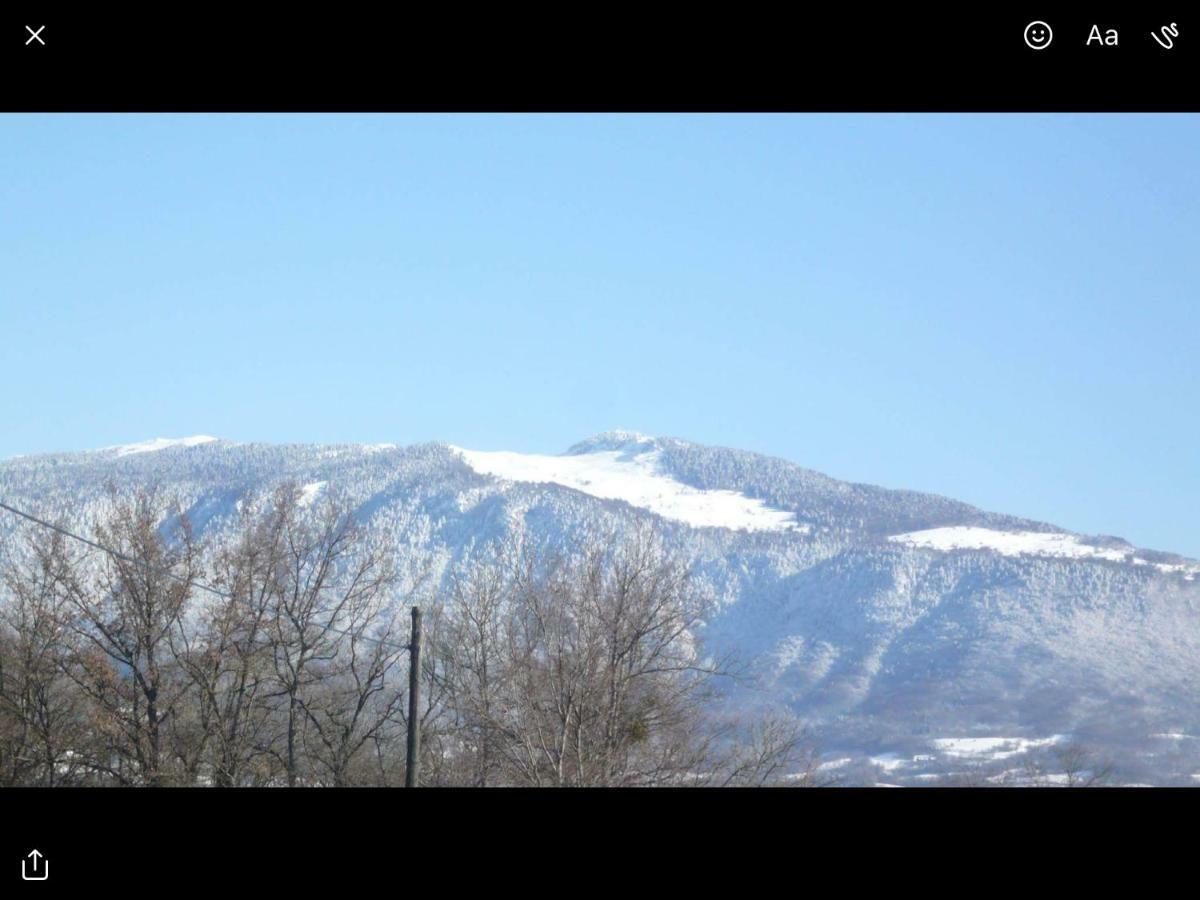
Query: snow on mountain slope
<point>635,478</point>
<point>310,492</point>
<point>993,747</point>
<point>899,625</point>
<point>1029,543</point>
<point>157,444</point>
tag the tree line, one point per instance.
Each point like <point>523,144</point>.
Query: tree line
<point>279,657</point>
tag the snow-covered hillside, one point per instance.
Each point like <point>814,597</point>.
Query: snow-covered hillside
<point>636,477</point>
<point>1034,543</point>
<point>156,444</point>
<point>915,633</point>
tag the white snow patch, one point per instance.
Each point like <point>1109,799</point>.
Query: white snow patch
<point>1189,572</point>
<point>157,444</point>
<point>889,762</point>
<point>637,480</point>
<point>993,747</point>
<point>1028,543</point>
<point>309,492</point>
<point>838,763</point>
<point>1061,779</point>
<point>377,448</point>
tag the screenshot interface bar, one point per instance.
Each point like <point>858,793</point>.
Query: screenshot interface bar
<point>900,304</point>
<point>978,60</point>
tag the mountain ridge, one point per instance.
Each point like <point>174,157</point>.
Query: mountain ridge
<point>889,620</point>
<point>627,441</point>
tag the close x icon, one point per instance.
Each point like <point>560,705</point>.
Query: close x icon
<point>35,35</point>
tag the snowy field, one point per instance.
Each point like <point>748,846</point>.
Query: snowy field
<point>635,479</point>
<point>1029,543</point>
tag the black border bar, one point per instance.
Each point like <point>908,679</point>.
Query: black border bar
<point>392,842</point>
<point>599,59</point>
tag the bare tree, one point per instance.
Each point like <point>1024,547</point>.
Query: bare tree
<point>476,670</point>
<point>1077,768</point>
<point>326,582</point>
<point>1080,768</point>
<point>44,730</point>
<point>228,654</point>
<point>580,670</point>
<point>122,622</point>
<point>362,700</point>
<point>774,751</point>
<point>540,667</point>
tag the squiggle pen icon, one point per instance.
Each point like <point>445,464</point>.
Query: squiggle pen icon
<point>1168,32</point>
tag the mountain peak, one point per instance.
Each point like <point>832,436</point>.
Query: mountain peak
<point>617,439</point>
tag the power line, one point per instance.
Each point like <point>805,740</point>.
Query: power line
<point>217,592</point>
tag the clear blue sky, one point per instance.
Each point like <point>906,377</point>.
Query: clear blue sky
<point>1002,309</point>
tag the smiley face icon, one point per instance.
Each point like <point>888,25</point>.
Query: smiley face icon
<point>1038,35</point>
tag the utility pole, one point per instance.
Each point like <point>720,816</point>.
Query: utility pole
<point>412,771</point>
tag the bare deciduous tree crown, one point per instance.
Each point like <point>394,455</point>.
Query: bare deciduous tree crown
<point>541,668</point>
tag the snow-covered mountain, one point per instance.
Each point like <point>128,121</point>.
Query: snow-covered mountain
<point>915,633</point>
